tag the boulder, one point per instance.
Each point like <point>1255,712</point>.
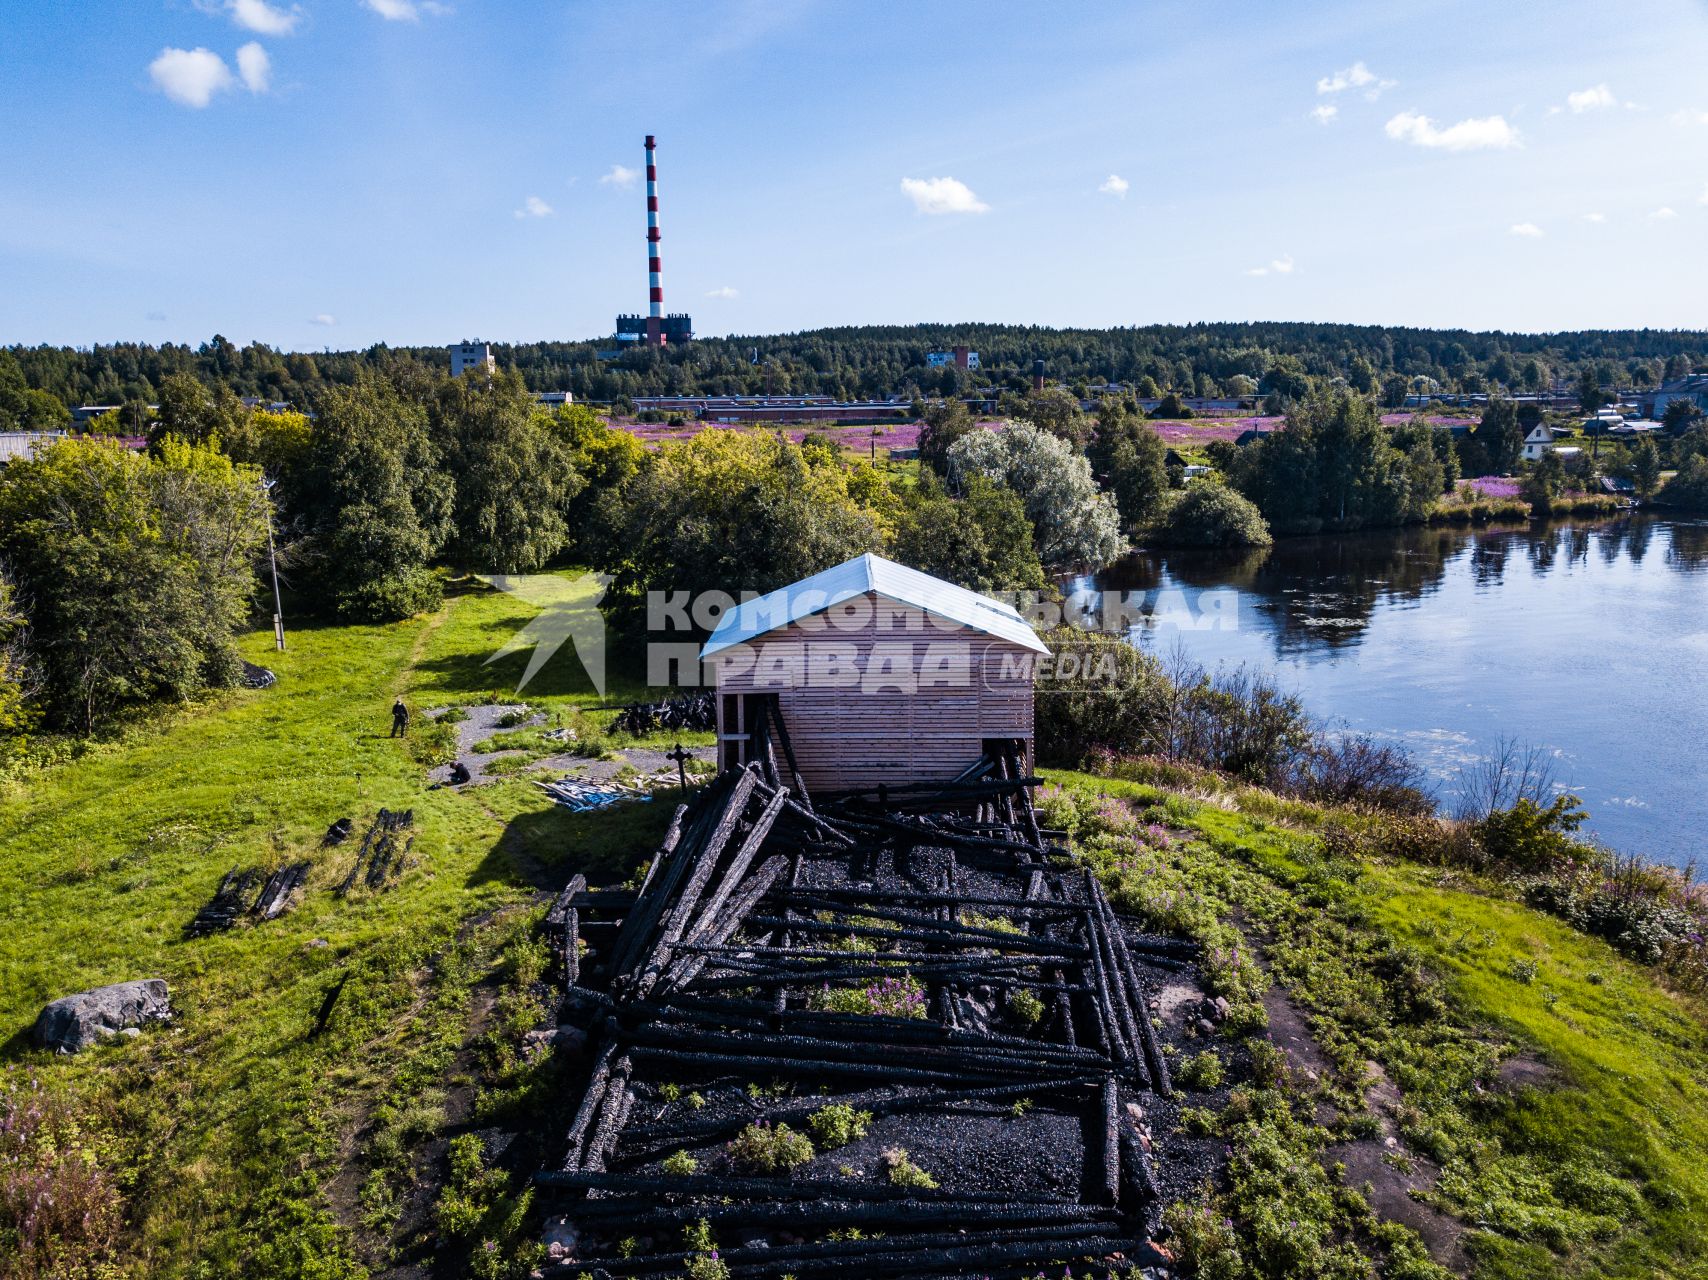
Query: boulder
<point>76,1022</point>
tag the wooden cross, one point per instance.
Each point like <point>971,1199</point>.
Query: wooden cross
<point>682,757</point>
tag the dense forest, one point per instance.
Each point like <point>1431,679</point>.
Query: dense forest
<point>873,361</point>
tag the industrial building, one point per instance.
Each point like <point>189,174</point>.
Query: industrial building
<point>960,357</point>
<point>471,355</point>
<point>655,329</point>
<point>735,409</point>
<point>1692,388</point>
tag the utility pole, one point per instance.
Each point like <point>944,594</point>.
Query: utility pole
<point>273,564</point>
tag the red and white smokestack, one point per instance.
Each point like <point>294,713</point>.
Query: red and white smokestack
<point>654,271</point>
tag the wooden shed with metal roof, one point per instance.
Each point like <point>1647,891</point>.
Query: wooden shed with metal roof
<point>872,673</point>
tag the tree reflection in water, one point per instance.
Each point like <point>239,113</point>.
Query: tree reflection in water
<point>1587,639</point>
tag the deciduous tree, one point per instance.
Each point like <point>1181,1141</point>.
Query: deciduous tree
<point>1073,522</point>
<point>138,570</point>
<point>512,474</point>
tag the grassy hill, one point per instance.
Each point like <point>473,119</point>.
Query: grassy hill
<point>1543,1096</point>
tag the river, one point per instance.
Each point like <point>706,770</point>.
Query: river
<point>1587,639</point>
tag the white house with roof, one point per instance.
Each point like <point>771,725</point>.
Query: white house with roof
<point>871,672</point>
<point>21,444</point>
<point>1538,442</point>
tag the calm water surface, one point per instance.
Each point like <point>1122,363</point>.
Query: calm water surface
<point>1589,640</point>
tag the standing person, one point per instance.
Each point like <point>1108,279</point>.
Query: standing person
<point>399,719</point>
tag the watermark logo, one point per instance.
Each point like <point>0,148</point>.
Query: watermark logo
<point>569,611</point>
<point>873,645</point>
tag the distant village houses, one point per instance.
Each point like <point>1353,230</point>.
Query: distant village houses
<point>1692,388</point>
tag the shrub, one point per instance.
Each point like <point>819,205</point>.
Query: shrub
<point>1635,918</point>
<point>391,599</point>
<point>1201,1071</point>
<point>702,1262</point>
<point>59,1208</point>
<point>434,742</point>
<point>763,1148</point>
<point>1209,514</point>
<point>475,1208</point>
<point>1689,488</point>
<point>1529,837</point>
<point>905,1173</point>
<point>1025,1006</point>
<point>837,1125</point>
<point>1114,701</point>
<point>1268,1063</point>
<point>1357,769</point>
<point>899,997</point>
<point>679,1164</point>
<point>1204,1241</point>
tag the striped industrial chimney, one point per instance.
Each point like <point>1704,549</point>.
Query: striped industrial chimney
<point>654,270</point>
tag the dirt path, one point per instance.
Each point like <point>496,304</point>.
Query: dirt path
<point>1391,1175</point>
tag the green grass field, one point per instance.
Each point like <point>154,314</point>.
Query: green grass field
<point>1559,1088</point>
<point>246,1144</point>
<point>231,1126</point>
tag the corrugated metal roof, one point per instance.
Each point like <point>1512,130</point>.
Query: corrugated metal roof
<point>857,577</point>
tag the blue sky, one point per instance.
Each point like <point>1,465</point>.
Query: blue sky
<point>339,172</point>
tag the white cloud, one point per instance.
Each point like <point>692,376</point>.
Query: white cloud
<point>394,10</point>
<point>324,320</point>
<point>1477,134</point>
<point>190,77</point>
<point>1690,116</point>
<point>1115,185</point>
<point>1703,198</point>
<point>1527,229</point>
<point>1591,99</point>
<point>263,18</point>
<point>255,67</point>
<point>1325,113</point>
<point>724,292</point>
<point>942,195</point>
<point>620,176</point>
<point>1595,217</point>
<point>1663,214</point>
<point>1357,76</point>
<point>1282,266</point>
<point>534,207</point>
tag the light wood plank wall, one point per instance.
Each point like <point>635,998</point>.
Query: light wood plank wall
<point>924,694</point>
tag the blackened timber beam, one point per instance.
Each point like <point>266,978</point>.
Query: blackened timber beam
<point>694,863</point>
<point>745,1065</point>
<point>939,933</point>
<point>736,1187</point>
<point>1000,1247</point>
<point>789,752</point>
<point>591,1100</point>
<point>638,1215</point>
<point>878,1102</point>
<point>735,915</point>
<point>865,901</point>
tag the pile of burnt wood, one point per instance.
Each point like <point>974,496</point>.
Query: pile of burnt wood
<point>921,955</point>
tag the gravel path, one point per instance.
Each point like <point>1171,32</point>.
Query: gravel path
<point>483,722</point>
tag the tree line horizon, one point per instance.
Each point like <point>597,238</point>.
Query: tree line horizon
<point>862,362</point>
